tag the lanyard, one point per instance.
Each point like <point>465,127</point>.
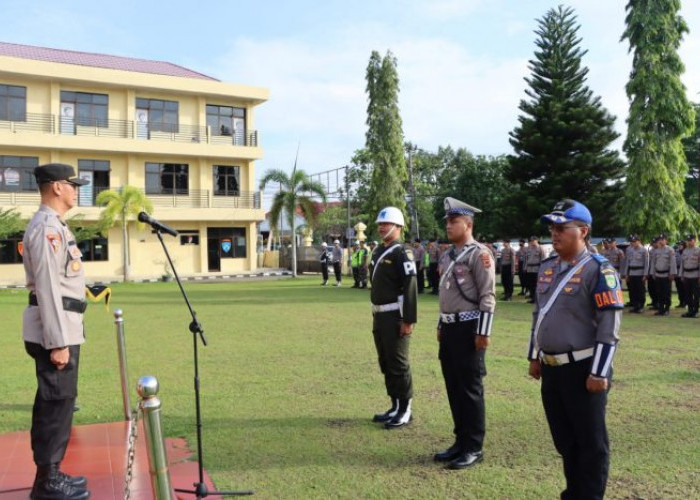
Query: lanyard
<point>468,248</point>
<point>386,252</point>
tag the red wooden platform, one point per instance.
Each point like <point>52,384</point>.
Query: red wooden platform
<point>98,452</point>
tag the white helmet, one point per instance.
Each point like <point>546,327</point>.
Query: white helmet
<point>324,244</point>
<point>336,242</point>
<point>392,215</point>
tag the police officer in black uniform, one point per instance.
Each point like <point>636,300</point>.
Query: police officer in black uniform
<point>326,257</point>
<point>575,326</point>
<point>394,299</point>
<point>52,329</point>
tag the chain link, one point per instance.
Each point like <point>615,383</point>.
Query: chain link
<point>131,453</point>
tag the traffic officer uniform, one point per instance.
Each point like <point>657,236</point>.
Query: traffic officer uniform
<point>533,257</point>
<point>419,258</point>
<point>521,256</point>
<point>680,288</point>
<point>53,320</point>
<point>663,270</point>
<point>394,298</point>
<point>363,264</point>
<point>635,268</point>
<point>690,271</point>
<point>337,261</point>
<point>507,271</point>
<point>575,327</point>
<point>355,264</point>
<point>326,257</point>
<point>467,303</point>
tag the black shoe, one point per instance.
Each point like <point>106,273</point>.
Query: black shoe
<point>466,459</point>
<point>76,481</point>
<point>449,454</point>
<point>52,484</point>
<point>403,415</point>
<point>531,301</point>
<point>680,306</point>
<point>389,414</point>
<point>637,310</point>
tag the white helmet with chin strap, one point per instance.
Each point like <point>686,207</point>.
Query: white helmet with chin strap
<point>391,215</point>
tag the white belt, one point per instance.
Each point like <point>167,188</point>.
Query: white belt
<point>565,358</point>
<point>459,317</point>
<point>394,306</point>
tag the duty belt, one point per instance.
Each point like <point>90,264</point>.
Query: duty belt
<point>69,303</point>
<point>459,317</point>
<point>634,268</point>
<point>691,269</point>
<point>565,358</point>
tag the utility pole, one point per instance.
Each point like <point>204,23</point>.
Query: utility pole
<point>415,230</point>
<point>347,195</point>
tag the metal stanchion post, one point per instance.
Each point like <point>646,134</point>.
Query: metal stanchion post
<point>157,459</point>
<point>123,373</point>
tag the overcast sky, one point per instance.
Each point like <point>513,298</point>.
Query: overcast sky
<point>461,63</point>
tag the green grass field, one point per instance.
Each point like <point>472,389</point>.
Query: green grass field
<point>290,382</point>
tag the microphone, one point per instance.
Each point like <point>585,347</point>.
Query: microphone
<point>155,224</point>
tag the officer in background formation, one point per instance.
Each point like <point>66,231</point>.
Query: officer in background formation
<point>433,254</point>
<point>680,288</point>
<point>534,256</point>
<point>467,302</point>
<point>419,257</point>
<point>337,261</point>
<point>355,264</point>
<point>574,337</point>
<point>521,256</point>
<point>614,255</point>
<point>635,269</point>
<point>507,269</point>
<point>52,328</point>
<point>690,271</point>
<point>363,264</point>
<point>326,257</point>
<point>663,269</point>
<point>394,299</point>
<point>651,283</point>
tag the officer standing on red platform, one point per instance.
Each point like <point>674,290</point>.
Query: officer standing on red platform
<point>52,328</point>
<point>467,302</point>
<point>576,319</point>
<point>394,297</point>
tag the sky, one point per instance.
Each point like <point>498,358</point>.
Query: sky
<point>461,63</point>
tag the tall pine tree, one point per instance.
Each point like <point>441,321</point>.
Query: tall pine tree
<point>384,137</point>
<point>660,116</point>
<point>562,144</point>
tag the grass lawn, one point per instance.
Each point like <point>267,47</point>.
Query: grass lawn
<point>290,381</point>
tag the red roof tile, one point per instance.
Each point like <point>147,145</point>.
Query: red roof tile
<point>98,60</point>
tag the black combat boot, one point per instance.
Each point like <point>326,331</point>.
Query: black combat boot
<point>403,415</point>
<point>51,484</point>
<point>389,414</point>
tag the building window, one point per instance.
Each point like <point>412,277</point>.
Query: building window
<point>17,173</point>
<point>95,249</point>
<point>13,103</point>
<point>83,108</point>
<point>226,180</point>
<point>10,249</point>
<point>226,120</point>
<point>189,237</point>
<point>160,115</point>
<point>167,178</point>
<point>230,241</point>
<point>97,172</point>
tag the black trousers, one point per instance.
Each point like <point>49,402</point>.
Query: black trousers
<point>680,288</point>
<point>522,276</point>
<point>463,368</point>
<point>434,278</point>
<point>531,280</point>
<point>52,415</point>
<point>420,276</point>
<point>577,422</point>
<point>356,276</point>
<point>324,271</point>
<point>336,269</point>
<point>651,288</point>
<point>638,296</point>
<point>692,290</point>
<point>363,276</point>
<point>392,352</point>
<point>507,279</point>
<point>663,293</point>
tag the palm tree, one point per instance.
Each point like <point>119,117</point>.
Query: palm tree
<point>120,204</point>
<point>294,192</point>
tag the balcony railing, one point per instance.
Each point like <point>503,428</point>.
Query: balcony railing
<point>191,198</point>
<point>128,129</point>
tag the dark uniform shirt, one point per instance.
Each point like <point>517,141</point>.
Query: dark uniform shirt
<point>394,279</point>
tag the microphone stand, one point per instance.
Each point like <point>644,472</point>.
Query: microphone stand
<point>200,488</point>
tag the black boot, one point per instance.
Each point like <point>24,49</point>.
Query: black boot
<point>52,484</point>
<point>403,415</point>
<point>77,481</point>
<point>389,414</point>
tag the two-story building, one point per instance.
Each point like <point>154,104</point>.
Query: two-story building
<point>186,139</point>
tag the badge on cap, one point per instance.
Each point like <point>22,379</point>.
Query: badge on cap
<point>455,208</point>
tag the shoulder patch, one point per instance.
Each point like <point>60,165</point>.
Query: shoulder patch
<point>485,258</point>
<point>599,258</point>
<point>608,290</point>
<point>409,253</point>
<point>54,241</point>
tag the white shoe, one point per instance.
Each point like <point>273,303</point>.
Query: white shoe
<point>402,417</point>
<point>337,284</point>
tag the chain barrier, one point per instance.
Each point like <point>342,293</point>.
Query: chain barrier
<point>131,453</point>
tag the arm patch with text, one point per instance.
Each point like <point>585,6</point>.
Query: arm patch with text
<point>607,293</point>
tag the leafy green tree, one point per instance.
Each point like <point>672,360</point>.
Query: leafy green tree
<point>120,205</point>
<point>384,137</point>
<point>11,223</point>
<point>660,117</point>
<point>691,146</point>
<point>562,142</point>
<point>296,191</point>
<point>332,221</point>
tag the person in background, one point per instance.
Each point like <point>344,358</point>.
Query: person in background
<point>508,259</point>
<point>326,257</point>
<point>337,261</point>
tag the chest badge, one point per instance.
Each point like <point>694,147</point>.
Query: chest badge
<point>75,265</point>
